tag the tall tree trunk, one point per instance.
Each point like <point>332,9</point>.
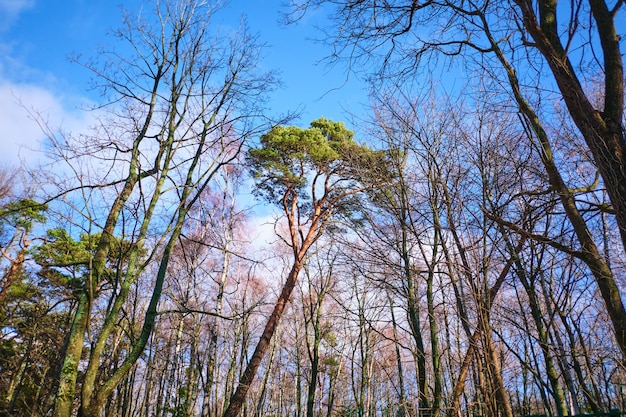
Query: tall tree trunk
<point>493,363</point>
<point>434,330</point>
<point>404,410</point>
<point>64,400</point>
<point>594,128</point>
<point>530,286</point>
<point>414,321</point>
<point>299,376</point>
<point>13,270</point>
<point>590,394</point>
<point>214,331</point>
<point>238,398</point>
<point>602,130</point>
<point>459,385</point>
<point>92,409</point>
<point>332,384</point>
<point>258,412</point>
<point>16,380</point>
<point>315,361</point>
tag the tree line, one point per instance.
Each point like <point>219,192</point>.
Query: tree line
<point>463,254</point>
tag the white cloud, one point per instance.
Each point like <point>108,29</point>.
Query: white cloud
<point>11,9</point>
<point>29,97</point>
<point>21,107</point>
<point>264,230</point>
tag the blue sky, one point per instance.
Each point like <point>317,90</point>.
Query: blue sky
<point>37,36</point>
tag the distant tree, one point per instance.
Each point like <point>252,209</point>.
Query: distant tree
<point>313,175</point>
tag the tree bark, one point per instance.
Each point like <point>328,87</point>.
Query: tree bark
<point>64,400</point>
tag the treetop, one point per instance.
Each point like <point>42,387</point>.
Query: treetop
<point>288,157</point>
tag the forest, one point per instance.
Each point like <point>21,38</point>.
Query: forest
<point>457,252</point>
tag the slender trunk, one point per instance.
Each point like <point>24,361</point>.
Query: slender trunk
<point>268,371</point>
<point>174,383</point>
<point>459,385</point>
<point>402,399</point>
<point>573,407</point>
<point>41,397</point>
<point>16,380</point>
<point>238,398</point>
<point>120,372</point>
<point>332,388</point>
<point>414,321</point>
<point>434,336</point>
<point>544,344</point>
<point>590,396</point>
<point>413,313</point>
<point>239,361</point>
<point>592,371</point>
<point>148,381</point>
<point>214,331</point>
<point>162,397</point>
<point>315,360</point>
<point>364,359</point>
<point>298,377</point>
<point>192,389</point>
<point>493,363</point>
<point>128,403</point>
<point>13,271</point>
<point>482,383</point>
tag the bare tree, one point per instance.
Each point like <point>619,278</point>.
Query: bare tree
<point>507,39</point>
<point>182,106</point>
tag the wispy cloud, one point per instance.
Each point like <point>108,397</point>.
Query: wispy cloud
<point>23,107</point>
<point>10,11</point>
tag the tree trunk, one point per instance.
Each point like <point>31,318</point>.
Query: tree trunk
<point>16,380</point>
<point>13,270</point>
<point>64,400</point>
<point>434,331</point>
<point>401,388</point>
<point>315,360</point>
<point>493,363</point>
<point>537,314</point>
<point>268,371</point>
<point>602,131</point>
<point>459,385</point>
<point>238,398</point>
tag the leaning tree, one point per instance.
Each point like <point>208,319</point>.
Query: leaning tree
<point>314,175</point>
